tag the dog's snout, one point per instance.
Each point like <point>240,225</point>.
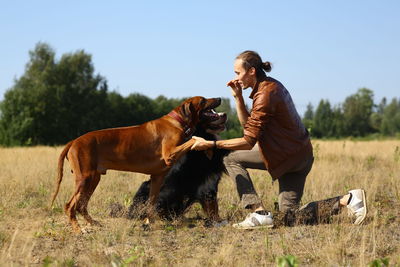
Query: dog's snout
<point>213,102</point>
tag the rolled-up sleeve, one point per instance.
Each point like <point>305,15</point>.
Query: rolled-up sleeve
<point>262,111</point>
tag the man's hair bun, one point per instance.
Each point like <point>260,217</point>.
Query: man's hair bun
<point>267,66</point>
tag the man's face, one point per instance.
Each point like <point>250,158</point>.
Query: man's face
<point>245,78</point>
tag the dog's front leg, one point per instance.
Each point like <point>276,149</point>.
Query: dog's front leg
<point>210,208</point>
<point>176,153</point>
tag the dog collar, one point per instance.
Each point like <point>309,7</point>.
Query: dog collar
<point>186,128</point>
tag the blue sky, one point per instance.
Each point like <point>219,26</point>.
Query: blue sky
<point>319,49</point>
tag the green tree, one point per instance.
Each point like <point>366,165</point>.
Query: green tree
<point>142,108</point>
<point>233,127</point>
<point>391,118</point>
<point>337,129</point>
<point>377,116</point>
<point>53,102</point>
<point>357,110</point>
<point>20,106</point>
<point>322,121</point>
<point>81,97</point>
<point>308,117</point>
<point>117,114</point>
<point>163,105</point>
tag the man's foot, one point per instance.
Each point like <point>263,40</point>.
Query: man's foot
<point>358,205</point>
<point>256,220</point>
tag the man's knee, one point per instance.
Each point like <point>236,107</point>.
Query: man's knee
<point>230,160</point>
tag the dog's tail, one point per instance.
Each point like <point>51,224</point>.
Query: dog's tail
<point>60,170</point>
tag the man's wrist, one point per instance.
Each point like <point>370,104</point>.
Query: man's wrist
<point>213,144</point>
<point>238,97</point>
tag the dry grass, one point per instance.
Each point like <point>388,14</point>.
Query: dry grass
<point>32,234</point>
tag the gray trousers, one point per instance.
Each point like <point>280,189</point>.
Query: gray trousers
<point>291,187</point>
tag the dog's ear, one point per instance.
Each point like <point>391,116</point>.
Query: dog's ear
<point>187,109</point>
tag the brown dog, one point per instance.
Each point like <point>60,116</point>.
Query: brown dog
<point>150,148</point>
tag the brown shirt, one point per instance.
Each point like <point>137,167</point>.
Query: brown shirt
<point>275,124</point>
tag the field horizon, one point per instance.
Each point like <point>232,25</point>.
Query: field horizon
<point>33,234</point>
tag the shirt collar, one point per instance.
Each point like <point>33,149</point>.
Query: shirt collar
<point>255,89</point>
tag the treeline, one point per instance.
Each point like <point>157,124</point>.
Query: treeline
<point>55,101</point>
<point>358,116</point>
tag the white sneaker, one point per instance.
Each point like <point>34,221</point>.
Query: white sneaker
<point>358,205</point>
<point>255,221</point>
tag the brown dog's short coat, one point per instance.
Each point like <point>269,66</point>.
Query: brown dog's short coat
<point>150,148</point>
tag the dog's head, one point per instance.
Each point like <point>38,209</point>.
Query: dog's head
<point>198,108</point>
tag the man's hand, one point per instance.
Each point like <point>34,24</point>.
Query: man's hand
<point>201,144</point>
<point>235,87</point>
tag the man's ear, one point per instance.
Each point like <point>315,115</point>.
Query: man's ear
<point>252,71</point>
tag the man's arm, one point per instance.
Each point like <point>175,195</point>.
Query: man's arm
<point>241,110</point>
<point>230,144</point>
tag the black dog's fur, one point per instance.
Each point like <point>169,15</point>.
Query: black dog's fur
<point>193,179</point>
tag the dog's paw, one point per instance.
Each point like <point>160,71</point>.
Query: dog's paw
<point>86,230</point>
<point>146,227</point>
<point>146,224</point>
<point>210,223</point>
<point>171,159</point>
<point>221,223</point>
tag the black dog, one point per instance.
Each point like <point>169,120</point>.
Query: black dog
<point>194,178</point>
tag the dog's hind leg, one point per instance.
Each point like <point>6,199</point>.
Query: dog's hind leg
<point>155,187</point>
<point>84,187</point>
<point>70,207</point>
<point>88,187</point>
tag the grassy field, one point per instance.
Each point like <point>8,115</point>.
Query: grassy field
<point>34,235</point>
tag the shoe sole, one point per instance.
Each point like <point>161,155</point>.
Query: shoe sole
<point>365,207</point>
<point>253,227</point>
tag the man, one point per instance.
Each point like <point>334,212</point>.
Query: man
<point>274,140</point>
